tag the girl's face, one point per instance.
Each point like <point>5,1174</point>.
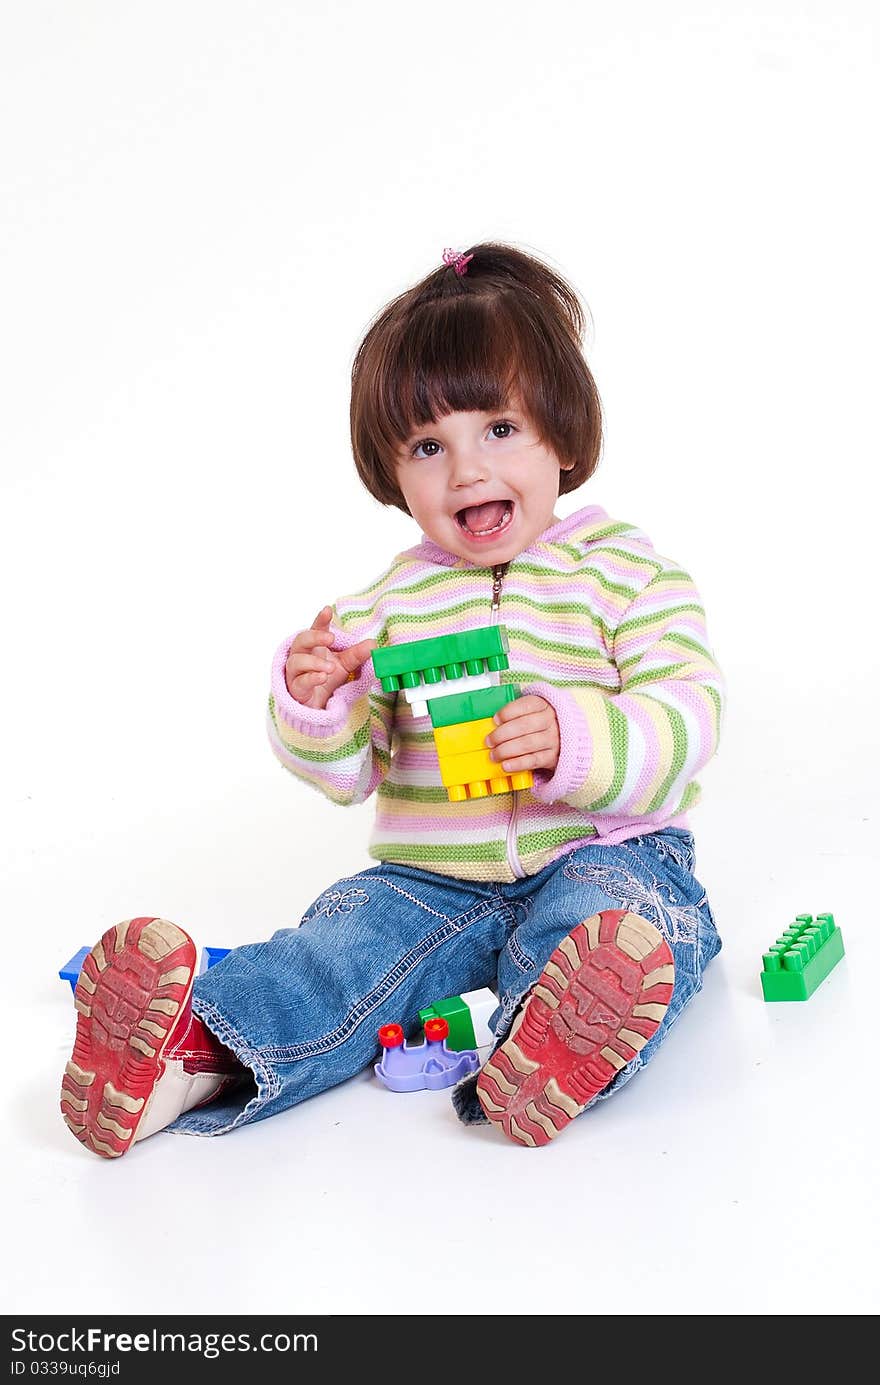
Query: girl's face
<point>481,485</point>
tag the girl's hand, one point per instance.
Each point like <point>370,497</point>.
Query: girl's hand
<point>314,669</point>
<point>526,737</point>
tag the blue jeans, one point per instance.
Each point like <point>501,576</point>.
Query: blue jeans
<point>302,1010</point>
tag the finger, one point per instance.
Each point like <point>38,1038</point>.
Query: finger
<point>522,745</point>
<point>305,688</point>
<point>319,662</point>
<point>541,757</point>
<point>534,724</point>
<point>310,680</point>
<point>520,707</point>
<point>519,763</point>
<point>312,639</point>
<point>323,618</point>
<point>356,655</point>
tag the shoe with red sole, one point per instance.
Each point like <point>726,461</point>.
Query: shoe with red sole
<point>598,1001</point>
<point>140,1057</point>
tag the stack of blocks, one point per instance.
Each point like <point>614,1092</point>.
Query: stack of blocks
<point>455,679</point>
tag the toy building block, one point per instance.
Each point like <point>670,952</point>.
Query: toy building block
<point>801,958</point>
<point>210,955</point>
<point>405,1068</point>
<point>468,1018</point>
<point>71,970</point>
<point>481,705</point>
<point>428,662</point>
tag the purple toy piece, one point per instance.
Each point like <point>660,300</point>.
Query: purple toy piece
<point>431,1064</point>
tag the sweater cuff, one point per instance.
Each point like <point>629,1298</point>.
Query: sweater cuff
<point>310,721</point>
<point>575,746</point>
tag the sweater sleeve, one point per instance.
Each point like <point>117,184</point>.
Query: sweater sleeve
<point>343,749</point>
<point>635,752</point>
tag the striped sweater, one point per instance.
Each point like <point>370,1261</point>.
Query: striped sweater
<point>609,632</point>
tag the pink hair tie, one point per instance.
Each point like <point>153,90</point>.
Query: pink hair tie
<point>458,260</point>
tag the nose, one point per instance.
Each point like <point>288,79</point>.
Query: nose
<point>468,465</point>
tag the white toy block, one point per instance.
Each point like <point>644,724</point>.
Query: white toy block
<point>482,1005</point>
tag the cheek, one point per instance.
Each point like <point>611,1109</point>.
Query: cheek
<point>423,496</point>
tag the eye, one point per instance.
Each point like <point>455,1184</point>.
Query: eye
<point>432,443</point>
<point>425,442</point>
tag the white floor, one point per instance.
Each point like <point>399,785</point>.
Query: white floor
<point>736,1176</point>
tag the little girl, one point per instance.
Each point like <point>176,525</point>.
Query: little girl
<point>574,900</point>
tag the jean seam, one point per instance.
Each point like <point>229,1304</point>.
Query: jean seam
<point>383,989</point>
<point>518,956</point>
<point>251,1057</point>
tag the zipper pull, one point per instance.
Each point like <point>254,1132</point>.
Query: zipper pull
<point>499,572</point>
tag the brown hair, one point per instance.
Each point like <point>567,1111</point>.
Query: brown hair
<point>468,342</point>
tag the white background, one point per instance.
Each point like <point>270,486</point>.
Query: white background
<point>204,204</point>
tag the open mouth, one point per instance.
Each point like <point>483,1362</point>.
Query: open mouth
<point>487,521</point>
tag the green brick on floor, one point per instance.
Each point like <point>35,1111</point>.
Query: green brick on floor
<point>801,958</point>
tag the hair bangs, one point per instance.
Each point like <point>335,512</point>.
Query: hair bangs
<point>452,357</point>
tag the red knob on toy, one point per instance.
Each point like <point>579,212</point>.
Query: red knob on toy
<point>437,1028</point>
<point>391,1036</point>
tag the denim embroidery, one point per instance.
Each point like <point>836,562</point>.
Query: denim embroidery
<point>682,855</point>
<point>653,901</point>
<point>336,902</point>
<point>413,899</point>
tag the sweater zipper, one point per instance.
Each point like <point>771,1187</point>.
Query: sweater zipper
<point>499,572</point>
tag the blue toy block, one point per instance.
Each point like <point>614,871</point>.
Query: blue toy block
<point>210,955</point>
<point>71,970</point>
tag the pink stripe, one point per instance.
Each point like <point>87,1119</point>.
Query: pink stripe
<point>426,824</point>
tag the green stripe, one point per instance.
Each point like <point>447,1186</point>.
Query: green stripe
<point>413,793</point>
<point>613,528</point>
<point>420,853</point>
<point>618,736</point>
<point>413,738</point>
<point>533,842</point>
<point>643,622</point>
<point>690,642</point>
<point>715,697</point>
<point>654,675</point>
<point>679,754</point>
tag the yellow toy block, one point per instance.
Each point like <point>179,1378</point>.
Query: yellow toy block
<point>463,736</point>
<point>471,774</point>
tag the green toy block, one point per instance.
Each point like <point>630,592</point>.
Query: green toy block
<point>457,1015</point>
<point>472,652</point>
<point>468,1018</point>
<point>801,958</point>
<point>472,706</point>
